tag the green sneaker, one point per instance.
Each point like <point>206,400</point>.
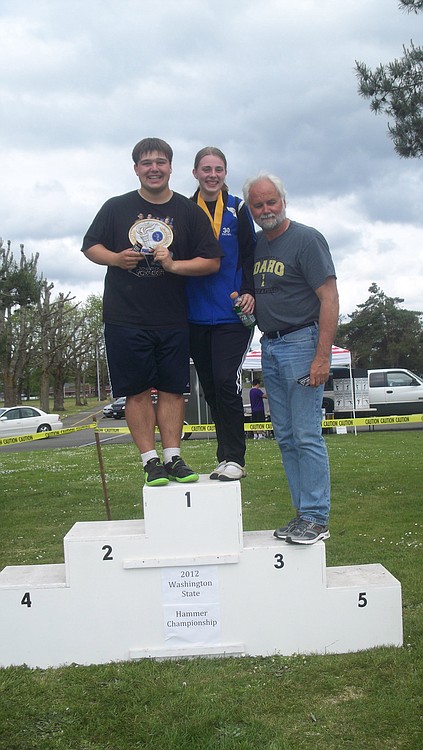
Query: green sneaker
<point>178,471</point>
<point>155,473</point>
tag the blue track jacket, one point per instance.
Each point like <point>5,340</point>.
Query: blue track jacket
<point>208,297</point>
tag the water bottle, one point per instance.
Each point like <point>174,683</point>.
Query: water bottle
<point>247,319</point>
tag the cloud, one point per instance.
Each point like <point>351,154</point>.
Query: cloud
<point>272,85</point>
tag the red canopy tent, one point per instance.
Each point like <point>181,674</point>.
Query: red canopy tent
<point>340,358</point>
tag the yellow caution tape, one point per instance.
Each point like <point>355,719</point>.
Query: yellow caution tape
<point>23,438</point>
<point>194,428</point>
<point>68,430</point>
<point>113,430</point>
<point>368,421</point>
<point>257,426</point>
<point>13,440</point>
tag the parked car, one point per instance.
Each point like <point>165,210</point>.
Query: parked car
<point>26,420</point>
<point>108,410</point>
<point>118,408</point>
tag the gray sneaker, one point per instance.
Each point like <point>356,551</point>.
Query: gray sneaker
<point>283,531</point>
<point>307,532</point>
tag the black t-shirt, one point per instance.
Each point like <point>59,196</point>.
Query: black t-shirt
<point>148,296</point>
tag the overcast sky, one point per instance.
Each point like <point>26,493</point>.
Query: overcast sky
<point>271,83</point>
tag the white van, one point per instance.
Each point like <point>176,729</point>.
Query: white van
<point>395,391</point>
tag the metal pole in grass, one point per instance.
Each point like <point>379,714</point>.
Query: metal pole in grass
<point>102,474</point>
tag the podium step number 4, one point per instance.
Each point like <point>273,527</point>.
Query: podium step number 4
<point>187,581</point>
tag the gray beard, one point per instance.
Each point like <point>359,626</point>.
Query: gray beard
<point>272,222</point>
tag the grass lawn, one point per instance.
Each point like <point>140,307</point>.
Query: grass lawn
<point>365,701</point>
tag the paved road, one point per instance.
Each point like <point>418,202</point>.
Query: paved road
<point>74,439</point>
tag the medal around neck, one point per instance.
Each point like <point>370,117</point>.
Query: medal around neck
<point>146,234</point>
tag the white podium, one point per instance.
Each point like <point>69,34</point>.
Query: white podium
<point>187,581</point>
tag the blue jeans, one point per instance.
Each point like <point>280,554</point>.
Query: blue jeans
<point>296,414</point>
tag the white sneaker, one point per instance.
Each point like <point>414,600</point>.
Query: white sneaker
<point>217,470</point>
<point>231,471</point>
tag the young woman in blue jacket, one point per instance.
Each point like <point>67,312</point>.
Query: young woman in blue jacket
<point>218,339</point>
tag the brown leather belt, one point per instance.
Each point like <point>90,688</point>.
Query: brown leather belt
<point>291,329</point>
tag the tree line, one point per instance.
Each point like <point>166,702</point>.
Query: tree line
<point>46,342</point>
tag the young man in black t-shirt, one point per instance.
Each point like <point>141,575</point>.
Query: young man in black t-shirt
<point>150,239</point>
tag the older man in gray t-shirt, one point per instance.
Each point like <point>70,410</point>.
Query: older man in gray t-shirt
<point>297,310</point>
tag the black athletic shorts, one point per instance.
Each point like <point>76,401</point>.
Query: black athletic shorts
<point>139,359</point>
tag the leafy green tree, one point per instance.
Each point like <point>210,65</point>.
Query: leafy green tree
<point>381,334</point>
<point>95,355</point>
<point>396,89</point>
<point>65,345</point>
<point>45,341</point>
<point>58,323</point>
<point>19,292</point>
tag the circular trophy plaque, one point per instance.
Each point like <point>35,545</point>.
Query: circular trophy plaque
<point>146,234</point>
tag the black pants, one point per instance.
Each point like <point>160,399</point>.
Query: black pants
<point>218,352</point>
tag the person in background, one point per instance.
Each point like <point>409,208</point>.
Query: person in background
<point>151,239</point>
<point>297,310</point>
<point>257,397</point>
<point>218,339</point>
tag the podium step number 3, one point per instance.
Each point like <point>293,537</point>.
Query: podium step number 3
<point>187,581</point>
